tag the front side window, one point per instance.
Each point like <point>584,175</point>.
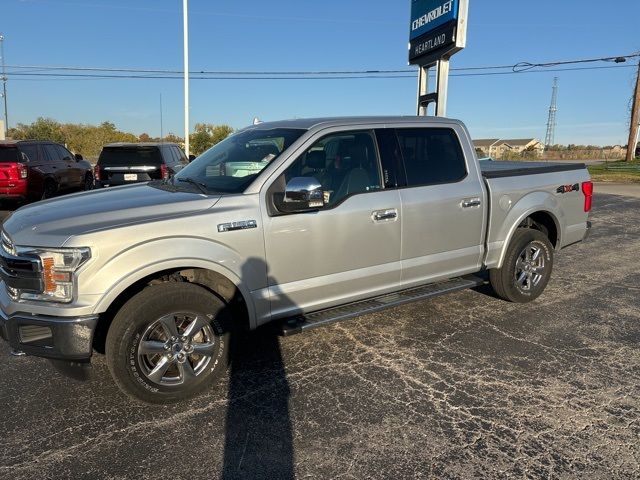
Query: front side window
<point>231,165</point>
<point>63,153</point>
<point>431,156</point>
<point>344,163</point>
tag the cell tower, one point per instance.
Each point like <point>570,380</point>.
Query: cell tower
<point>551,123</point>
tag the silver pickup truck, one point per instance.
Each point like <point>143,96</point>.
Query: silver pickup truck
<point>301,222</point>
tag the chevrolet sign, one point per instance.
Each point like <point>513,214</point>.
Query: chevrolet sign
<point>427,15</point>
<point>437,28</point>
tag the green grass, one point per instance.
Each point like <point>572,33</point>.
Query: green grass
<point>618,171</point>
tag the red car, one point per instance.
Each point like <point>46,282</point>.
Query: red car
<point>34,170</point>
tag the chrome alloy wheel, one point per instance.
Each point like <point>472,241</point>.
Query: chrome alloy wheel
<point>529,267</point>
<point>176,349</point>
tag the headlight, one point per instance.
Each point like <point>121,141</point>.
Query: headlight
<point>58,268</point>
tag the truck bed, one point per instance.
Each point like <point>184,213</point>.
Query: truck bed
<point>500,169</point>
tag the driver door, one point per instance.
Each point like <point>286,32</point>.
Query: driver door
<point>347,250</point>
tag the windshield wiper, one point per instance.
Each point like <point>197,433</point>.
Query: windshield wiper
<point>201,186</point>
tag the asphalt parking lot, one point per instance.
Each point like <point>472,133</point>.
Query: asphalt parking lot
<point>463,386</point>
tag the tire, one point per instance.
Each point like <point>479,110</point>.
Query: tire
<point>150,360</point>
<point>88,182</point>
<point>50,189</point>
<point>526,269</point>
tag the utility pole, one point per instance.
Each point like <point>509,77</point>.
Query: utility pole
<point>4,87</point>
<point>185,26</point>
<point>635,120</point>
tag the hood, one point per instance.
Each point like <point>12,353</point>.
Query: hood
<point>52,222</point>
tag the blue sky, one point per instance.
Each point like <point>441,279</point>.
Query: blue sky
<point>304,35</point>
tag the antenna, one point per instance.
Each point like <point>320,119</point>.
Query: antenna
<point>551,123</point>
<point>161,132</point>
<point>4,86</point>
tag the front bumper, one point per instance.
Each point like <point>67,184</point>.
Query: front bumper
<point>64,338</point>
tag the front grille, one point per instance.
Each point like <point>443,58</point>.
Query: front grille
<point>18,272</point>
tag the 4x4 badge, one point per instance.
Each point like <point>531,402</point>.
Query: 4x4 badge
<point>568,188</point>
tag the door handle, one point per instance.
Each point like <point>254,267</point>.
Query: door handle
<point>381,215</point>
<point>470,202</point>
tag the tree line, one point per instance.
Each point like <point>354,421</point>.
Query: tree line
<point>88,140</point>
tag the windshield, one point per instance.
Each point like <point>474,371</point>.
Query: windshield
<point>231,165</point>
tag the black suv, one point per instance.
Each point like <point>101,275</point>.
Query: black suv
<point>36,169</point>
<point>125,163</point>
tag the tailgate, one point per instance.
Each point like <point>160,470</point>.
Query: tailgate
<point>129,164</point>
<point>121,175</point>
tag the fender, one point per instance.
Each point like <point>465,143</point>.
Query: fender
<point>497,243</point>
<point>113,276</point>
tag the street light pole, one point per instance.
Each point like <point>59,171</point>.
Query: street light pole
<point>185,27</point>
<point>4,87</point>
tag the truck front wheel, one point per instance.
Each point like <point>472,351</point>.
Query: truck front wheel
<point>169,342</point>
<point>526,269</point>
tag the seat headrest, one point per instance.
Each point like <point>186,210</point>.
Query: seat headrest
<point>359,155</point>
<point>316,159</point>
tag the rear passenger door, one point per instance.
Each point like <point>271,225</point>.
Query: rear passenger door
<point>53,165</point>
<point>73,173</point>
<point>443,206</point>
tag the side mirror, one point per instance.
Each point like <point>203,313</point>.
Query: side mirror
<point>78,157</point>
<point>191,158</point>
<point>303,194</point>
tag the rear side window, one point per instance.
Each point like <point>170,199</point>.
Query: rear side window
<point>182,158</point>
<point>31,151</point>
<point>9,154</point>
<point>169,156</point>
<point>431,156</point>
<point>51,153</point>
<point>127,156</point>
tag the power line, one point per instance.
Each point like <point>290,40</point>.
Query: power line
<point>515,68</point>
<point>105,76</point>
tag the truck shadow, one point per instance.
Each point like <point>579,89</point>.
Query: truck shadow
<point>258,432</point>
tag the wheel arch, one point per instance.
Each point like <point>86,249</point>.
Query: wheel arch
<point>541,218</point>
<point>221,283</point>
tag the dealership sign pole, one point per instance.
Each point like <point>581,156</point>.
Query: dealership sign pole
<point>438,29</point>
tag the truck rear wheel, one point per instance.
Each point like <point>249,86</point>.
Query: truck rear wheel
<point>526,269</point>
<point>169,342</point>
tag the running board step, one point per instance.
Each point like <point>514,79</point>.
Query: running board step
<point>300,323</point>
